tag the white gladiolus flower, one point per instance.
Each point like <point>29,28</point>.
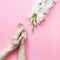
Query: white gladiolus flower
<point>35,9</point>
<point>48,4</point>
<point>39,9</point>
<point>40,18</point>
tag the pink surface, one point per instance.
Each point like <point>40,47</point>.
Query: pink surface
<point>44,43</point>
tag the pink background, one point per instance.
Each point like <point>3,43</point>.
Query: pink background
<point>44,43</point>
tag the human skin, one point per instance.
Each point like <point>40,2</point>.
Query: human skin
<point>21,49</point>
<point>15,42</point>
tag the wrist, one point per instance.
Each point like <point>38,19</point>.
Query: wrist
<point>5,53</point>
<point>9,48</point>
<point>22,42</point>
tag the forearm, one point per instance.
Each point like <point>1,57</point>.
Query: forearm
<point>5,53</point>
<point>22,52</point>
<point>14,42</point>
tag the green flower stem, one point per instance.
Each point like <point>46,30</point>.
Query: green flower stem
<point>33,19</point>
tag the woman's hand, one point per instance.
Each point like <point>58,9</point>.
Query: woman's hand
<point>14,42</point>
<point>21,49</point>
<point>16,37</point>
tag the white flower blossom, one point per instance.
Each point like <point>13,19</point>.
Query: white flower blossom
<point>40,18</point>
<point>39,9</point>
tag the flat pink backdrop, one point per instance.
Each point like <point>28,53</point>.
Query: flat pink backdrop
<point>44,43</point>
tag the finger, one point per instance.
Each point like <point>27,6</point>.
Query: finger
<point>18,32</point>
<point>22,37</point>
<point>20,24</point>
<point>20,29</point>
